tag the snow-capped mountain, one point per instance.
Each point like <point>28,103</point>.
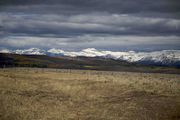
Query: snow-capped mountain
<point>31,51</point>
<point>5,51</point>
<point>55,52</point>
<point>164,57</point>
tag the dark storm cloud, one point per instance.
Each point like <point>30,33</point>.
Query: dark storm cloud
<point>88,23</point>
<point>115,24</point>
<point>106,5</point>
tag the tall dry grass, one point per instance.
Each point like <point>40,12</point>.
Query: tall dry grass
<point>50,94</point>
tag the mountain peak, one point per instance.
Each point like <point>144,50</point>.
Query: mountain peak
<point>30,51</point>
<point>89,50</point>
<point>5,51</point>
<point>55,51</point>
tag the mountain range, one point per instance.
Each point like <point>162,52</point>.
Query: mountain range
<point>160,58</point>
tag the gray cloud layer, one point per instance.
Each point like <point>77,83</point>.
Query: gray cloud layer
<point>120,6</point>
<point>106,24</point>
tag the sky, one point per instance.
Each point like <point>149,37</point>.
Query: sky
<point>117,25</point>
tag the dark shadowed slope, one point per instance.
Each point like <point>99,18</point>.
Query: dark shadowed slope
<point>91,63</point>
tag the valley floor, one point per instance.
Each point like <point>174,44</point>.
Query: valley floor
<point>50,94</point>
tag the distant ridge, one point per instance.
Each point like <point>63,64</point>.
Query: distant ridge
<point>160,58</point>
<point>79,62</point>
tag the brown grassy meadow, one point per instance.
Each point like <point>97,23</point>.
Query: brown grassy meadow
<point>50,94</point>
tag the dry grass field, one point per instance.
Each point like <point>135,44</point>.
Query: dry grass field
<point>50,94</point>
